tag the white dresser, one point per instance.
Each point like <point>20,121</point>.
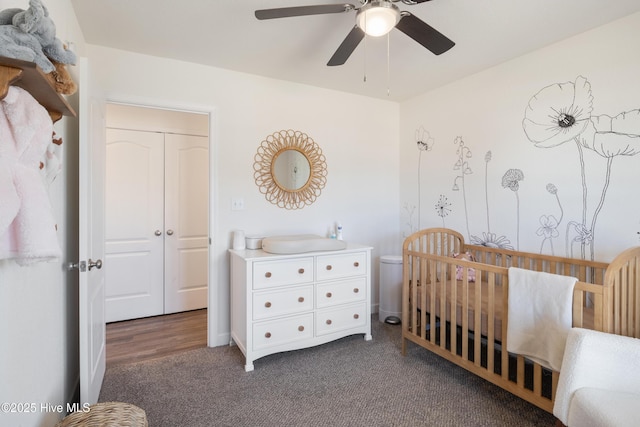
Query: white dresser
<point>287,302</point>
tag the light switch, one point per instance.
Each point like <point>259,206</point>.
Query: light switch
<point>237,204</point>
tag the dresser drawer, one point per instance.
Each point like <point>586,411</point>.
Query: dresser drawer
<point>272,333</point>
<point>341,292</point>
<point>283,301</point>
<point>338,319</point>
<point>342,265</point>
<point>286,272</point>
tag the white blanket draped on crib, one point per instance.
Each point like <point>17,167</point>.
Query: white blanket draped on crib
<point>539,315</point>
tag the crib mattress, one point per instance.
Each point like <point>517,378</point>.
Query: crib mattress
<point>498,310</point>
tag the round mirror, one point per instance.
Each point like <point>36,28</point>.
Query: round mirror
<point>290,169</point>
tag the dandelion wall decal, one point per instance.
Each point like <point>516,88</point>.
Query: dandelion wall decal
<point>443,207</point>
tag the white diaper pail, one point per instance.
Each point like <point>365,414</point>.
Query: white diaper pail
<point>390,309</point>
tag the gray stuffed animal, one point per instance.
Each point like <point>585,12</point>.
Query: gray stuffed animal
<point>32,29</point>
<point>6,16</point>
<point>15,43</point>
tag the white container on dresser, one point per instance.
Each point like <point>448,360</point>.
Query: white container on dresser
<point>288,302</point>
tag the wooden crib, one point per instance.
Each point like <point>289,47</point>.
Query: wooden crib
<point>464,318</point>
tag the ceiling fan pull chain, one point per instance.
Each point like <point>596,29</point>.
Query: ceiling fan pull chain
<point>365,60</point>
<point>388,66</point>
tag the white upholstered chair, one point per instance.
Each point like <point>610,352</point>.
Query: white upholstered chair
<point>599,382</point>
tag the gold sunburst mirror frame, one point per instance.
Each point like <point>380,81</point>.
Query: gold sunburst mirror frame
<point>290,169</point>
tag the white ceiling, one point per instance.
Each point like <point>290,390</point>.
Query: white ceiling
<point>226,34</point>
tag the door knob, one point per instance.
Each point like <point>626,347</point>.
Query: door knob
<point>158,233</point>
<point>169,232</point>
<point>97,264</point>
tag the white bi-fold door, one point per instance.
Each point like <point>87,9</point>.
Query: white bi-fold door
<point>156,223</point>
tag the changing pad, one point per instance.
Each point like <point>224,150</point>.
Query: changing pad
<point>300,243</point>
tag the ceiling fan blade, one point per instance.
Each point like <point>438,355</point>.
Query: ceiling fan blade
<point>286,12</point>
<point>347,47</point>
<point>424,34</point>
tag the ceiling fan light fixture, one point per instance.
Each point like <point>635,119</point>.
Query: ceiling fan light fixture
<point>377,18</point>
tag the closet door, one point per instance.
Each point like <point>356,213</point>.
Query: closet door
<point>134,213</point>
<point>186,222</point>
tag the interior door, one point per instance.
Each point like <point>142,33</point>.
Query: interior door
<point>92,339</point>
<point>186,222</point>
<point>135,229</point>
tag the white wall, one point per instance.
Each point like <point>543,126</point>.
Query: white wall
<point>38,304</point>
<point>358,136</point>
<point>487,110</point>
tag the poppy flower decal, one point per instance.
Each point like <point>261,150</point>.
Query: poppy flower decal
<point>558,113</point>
<point>562,112</point>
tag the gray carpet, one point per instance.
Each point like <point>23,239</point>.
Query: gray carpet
<point>349,382</point>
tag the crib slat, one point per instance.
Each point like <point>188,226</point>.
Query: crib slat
<point>578,308</point>
<point>537,379</point>
<point>425,266</point>
<point>635,297</point>
<point>477,321</point>
<point>504,355</point>
<point>453,309</point>
<point>432,299</point>
<point>465,321</point>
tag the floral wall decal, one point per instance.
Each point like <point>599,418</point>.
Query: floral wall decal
<point>574,134</point>
<point>443,208</point>
<point>562,112</point>
<point>424,142</point>
<point>511,180</point>
<point>409,211</point>
<point>489,239</point>
<point>462,165</point>
<point>549,224</point>
<point>487,159</point>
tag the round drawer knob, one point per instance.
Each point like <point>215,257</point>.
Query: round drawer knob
<point>356,290</point>
<point>356,264</point>
<point>328,321</point>
<point>267,274</point>
<point>356,316</point>
<point>267,335</point>
<point>300,299</point>
<point>267,304</point>
<point>329,294</point>
<point>301,328</point>
<point>329,267</point>
<point>301,270</point>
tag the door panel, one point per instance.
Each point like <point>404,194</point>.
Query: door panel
<point>187,215</point>
<point>134,224</point>
<point>92,336</point>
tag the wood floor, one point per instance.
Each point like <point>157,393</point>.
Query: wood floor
<point>152,337</point>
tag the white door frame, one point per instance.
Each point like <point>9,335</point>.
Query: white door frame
<point>212,302</point>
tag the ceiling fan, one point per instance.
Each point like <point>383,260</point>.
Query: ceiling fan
<point>374,18</point>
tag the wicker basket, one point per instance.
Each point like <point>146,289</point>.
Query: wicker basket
<point>107,414</point>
